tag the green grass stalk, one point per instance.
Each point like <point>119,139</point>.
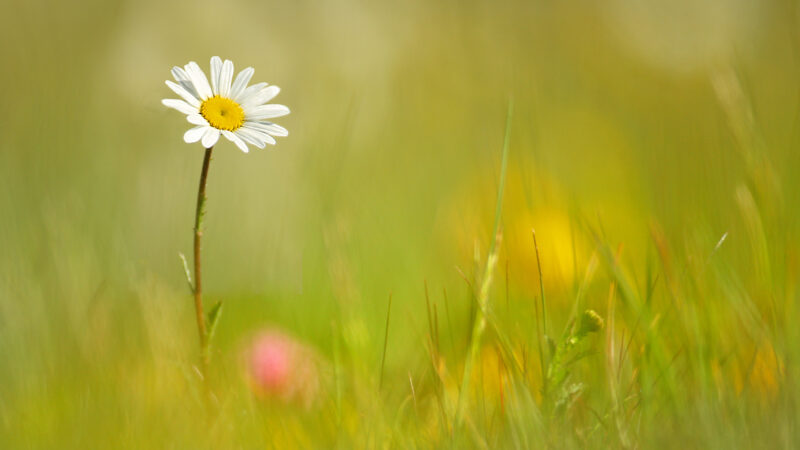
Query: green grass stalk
<point>198,272</point>
<point>486,282</point>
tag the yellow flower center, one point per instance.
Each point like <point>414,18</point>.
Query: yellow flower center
<point>222,113</point>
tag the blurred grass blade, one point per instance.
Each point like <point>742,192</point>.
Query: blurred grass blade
<point>491,259</point>
<point>385,340</point>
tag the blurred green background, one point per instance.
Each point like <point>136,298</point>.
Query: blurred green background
<point>651,128</point>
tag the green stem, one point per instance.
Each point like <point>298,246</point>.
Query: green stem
<point>483,296</point>
<point>198,275</point>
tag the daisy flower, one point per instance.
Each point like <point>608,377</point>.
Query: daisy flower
<point>226,106</point>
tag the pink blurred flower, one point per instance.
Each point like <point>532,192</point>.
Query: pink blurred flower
<point>283,368</point>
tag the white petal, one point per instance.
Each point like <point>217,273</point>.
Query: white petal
<point>183,79</point>
<point>241,82</point>
<point>250,137</point>
<point>210,137</point>
<point>260,135</point>
<point>263,96</point>
<point>199,80</point>
<point>197,119</point>
<point>216,67</point>
<point>186,95</point>
<point>180,105</point>
<point>194,134</point>
<point>265,112</point>
<point>269,127</point>
<point>270,140</point>
<point>250,90</point>
<point>236,140</point>
<point>225,78</point>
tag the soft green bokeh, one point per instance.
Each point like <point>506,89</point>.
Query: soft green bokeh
<point>640,129</point>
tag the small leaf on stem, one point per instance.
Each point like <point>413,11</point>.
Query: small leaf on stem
<point>186,271</point>
<point>213,319</point>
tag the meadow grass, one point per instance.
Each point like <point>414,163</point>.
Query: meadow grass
<point>614,265</point>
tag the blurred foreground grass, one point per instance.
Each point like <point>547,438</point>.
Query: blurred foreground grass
<point>653,149</point>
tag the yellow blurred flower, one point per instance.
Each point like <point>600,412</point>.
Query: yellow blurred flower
<point>760,372</point>
<point>535,201</point>
<point>467,220</point>
<point>558,248</point>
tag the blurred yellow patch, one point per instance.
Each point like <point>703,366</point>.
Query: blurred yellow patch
<point>558,249</point>
<point>761,374</point>
<point>564,230</point>
<point>758,372</point>
<point>466,221</point>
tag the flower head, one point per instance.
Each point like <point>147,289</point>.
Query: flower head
<point>590,322</point>
<point>283,368</point>
<point>226,106</point>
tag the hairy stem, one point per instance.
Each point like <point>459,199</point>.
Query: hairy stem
<point>198,275</point>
